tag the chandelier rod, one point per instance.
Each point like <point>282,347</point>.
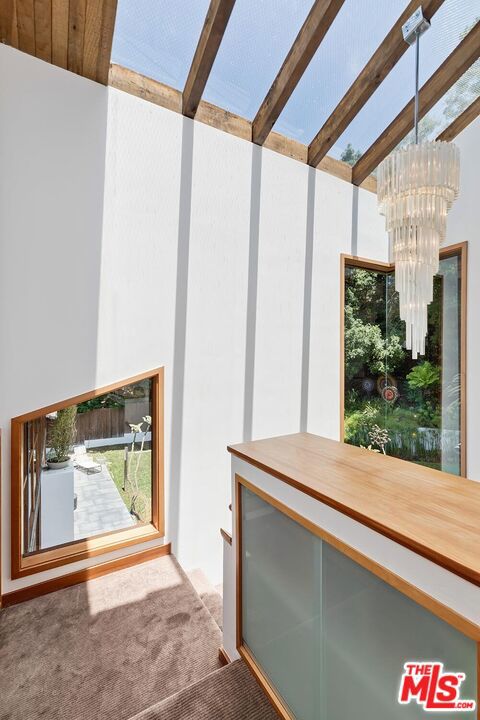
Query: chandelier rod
<point>417,66</point>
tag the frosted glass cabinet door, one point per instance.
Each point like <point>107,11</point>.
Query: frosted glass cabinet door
<point>281,588</point>
<point>331,637</point>
<point>370,631</point>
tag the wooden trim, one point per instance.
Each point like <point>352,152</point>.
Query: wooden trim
<point>460,249</point>
<point>445,613</point>
<point>223,656</point>
<point>311,34</point>
<point>23,565</point>
<point>342,347</point>
<point>223,120</point>
<point>131,82</point>
<point>63,581</point>
<point>336,167</point>
<point>211,36</point>
<point>286,146</point>
<point>226,536</point>
<point>86,396</point>
<point>373,74</point>
<point>361,262</point>
<point>272,695</point>
<point>165,96</point>
<point>461,122</point>
<point>238,564</point>
<point>464,55</point>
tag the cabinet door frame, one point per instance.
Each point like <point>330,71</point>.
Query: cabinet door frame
<point>460,623</point>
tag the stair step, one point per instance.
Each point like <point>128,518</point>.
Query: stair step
<point>230,693</point>
<point>210,595</point>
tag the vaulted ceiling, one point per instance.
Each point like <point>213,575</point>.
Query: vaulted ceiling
<point>78,34</point>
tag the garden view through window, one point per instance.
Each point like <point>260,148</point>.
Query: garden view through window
<point>88,468</point>
<point>407,408</point>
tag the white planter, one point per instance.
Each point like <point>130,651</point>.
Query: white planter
<point>56,507</point>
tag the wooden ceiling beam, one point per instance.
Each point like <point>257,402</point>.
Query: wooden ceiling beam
<point>464,55</point>
<point>461,122</point>
<point>211,36</point>
<point>311,34</point>
<point>373,74</point>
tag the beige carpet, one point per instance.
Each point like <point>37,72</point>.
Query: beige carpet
<point>227,694</point>
<point>210,595</point>
<point>106,649</point>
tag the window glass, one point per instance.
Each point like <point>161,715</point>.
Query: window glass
<point>87,468</point>
<point>393,404</point>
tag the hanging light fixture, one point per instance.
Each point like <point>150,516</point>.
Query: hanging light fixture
<point>417,185</point>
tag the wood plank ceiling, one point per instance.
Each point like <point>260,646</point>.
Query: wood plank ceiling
<point>77,35</point>
<point>73,34</point>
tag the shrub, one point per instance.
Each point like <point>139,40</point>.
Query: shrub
<point>424,376</point>
<point>62,434</point>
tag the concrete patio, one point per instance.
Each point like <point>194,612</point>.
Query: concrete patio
<point>100,507</point>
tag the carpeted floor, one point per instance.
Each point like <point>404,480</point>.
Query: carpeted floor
<point>210,595</point>
<point>106,649</point>
<point>231,693</point>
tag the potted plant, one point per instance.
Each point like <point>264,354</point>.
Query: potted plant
<point>61,438</point>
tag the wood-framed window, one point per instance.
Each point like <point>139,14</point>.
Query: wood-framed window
<point>417,407</point>
<point>88,475</point>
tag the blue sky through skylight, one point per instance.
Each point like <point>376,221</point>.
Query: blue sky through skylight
<point>157,38</point>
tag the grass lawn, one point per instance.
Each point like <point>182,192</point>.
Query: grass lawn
<point>115,461</point>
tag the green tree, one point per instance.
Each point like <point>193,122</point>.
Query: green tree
<point>365,341</point>
<point>350,155</point>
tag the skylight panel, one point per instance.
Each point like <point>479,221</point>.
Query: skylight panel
<point>449,25</point>
<point>158,38</point>
<point>256,42</point>
<point>356,33</point>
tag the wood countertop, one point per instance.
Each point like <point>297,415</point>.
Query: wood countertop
<point>435,514</point>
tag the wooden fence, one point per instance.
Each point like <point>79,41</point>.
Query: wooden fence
<point>100,423</point>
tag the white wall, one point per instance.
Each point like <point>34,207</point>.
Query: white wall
<point>131,238</point>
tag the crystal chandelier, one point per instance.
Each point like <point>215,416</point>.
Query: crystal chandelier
<point>417,185</point>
